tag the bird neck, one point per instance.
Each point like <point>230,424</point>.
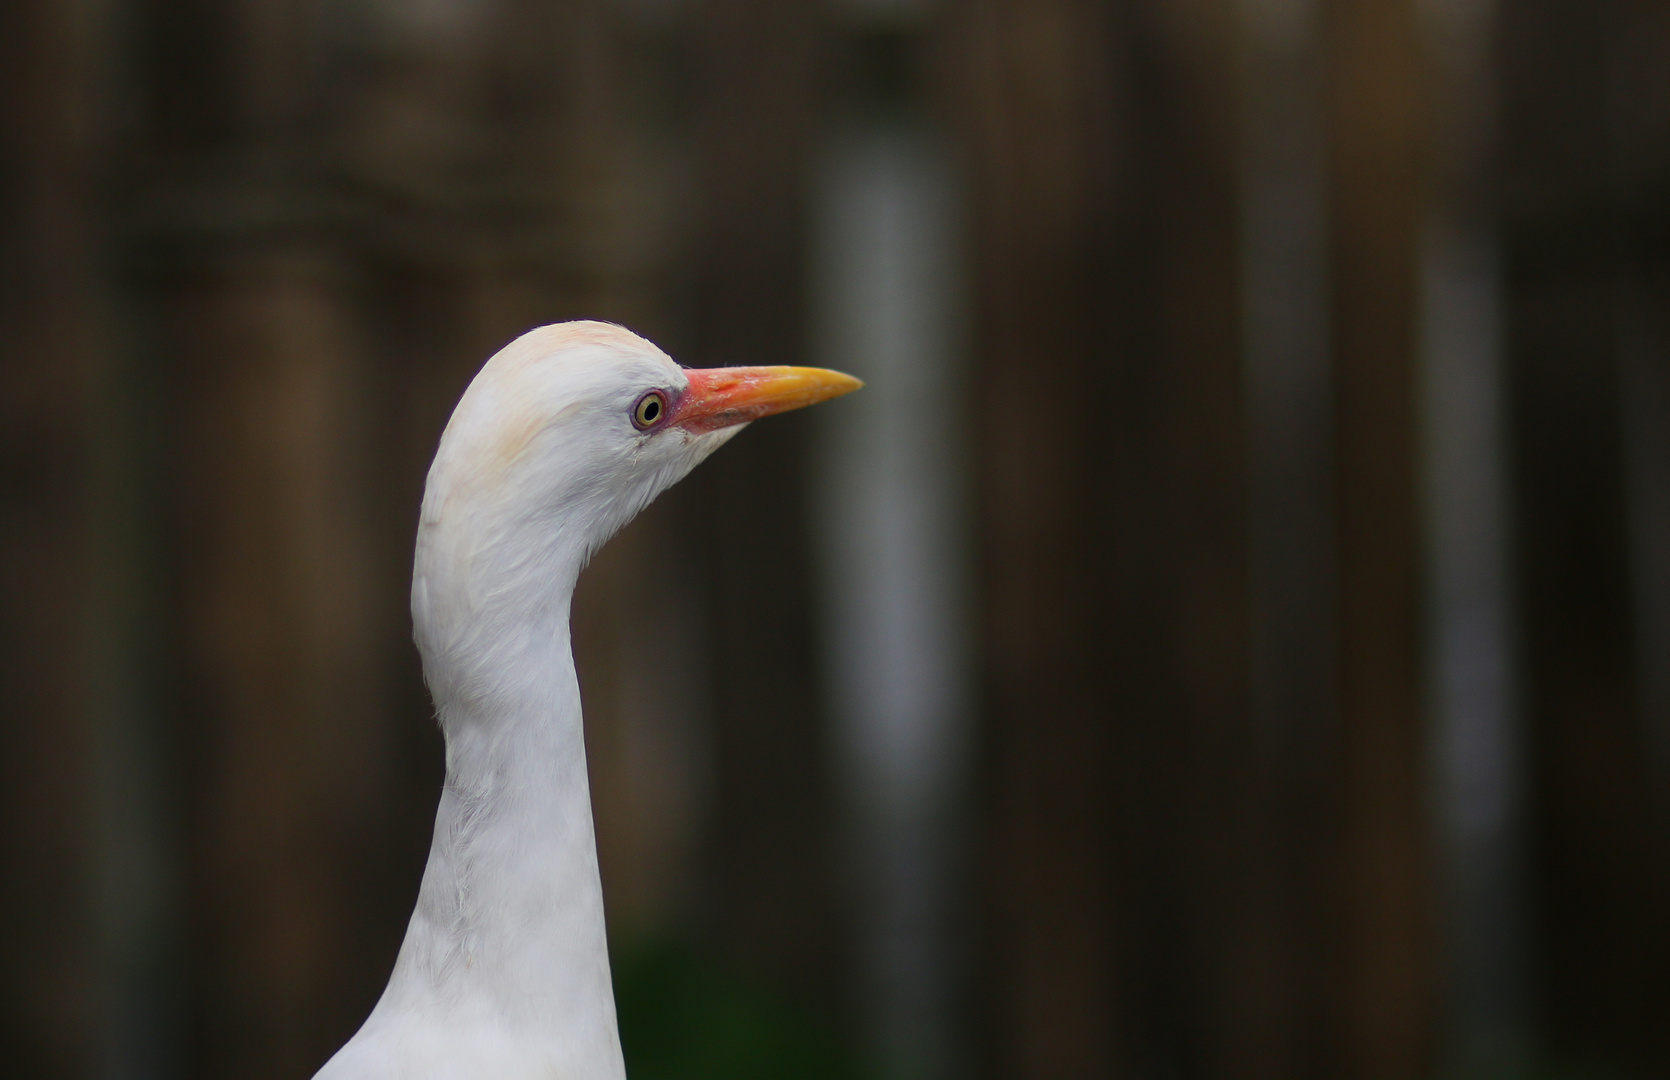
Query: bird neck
<point>508,931</point>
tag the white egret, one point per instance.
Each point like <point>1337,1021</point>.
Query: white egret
<point>561,439</point>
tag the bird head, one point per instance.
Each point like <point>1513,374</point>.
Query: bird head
<point>562,438</point>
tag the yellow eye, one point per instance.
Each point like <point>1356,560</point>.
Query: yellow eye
<point>649,410</point>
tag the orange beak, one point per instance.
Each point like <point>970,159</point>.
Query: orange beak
<point>721,397</point>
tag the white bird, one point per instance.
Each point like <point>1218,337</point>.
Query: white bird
<point>560,440</point>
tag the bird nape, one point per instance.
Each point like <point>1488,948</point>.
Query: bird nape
<point>563,436</point>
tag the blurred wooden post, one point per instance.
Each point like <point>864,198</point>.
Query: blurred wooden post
<point>282,690</point>
<point>1276,999</point>
<point>49,324</point>
<point>1583,177</point>
<point>1032,85</point>
<point>1177,314</point>
<point>1385,940</point>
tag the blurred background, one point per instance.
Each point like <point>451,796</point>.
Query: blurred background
<point>1228,638</point>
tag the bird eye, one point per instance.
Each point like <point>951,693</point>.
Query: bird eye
<point>650,408</point>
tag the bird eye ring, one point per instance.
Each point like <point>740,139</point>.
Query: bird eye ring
<point>649,410</point>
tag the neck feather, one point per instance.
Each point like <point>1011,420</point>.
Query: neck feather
<point>506,954</point>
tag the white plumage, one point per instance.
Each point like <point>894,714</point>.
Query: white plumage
<point>561,439</point>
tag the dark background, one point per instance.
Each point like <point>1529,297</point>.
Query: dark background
<point>1308,413</point>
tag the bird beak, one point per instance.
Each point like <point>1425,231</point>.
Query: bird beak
<point>721,397</point>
